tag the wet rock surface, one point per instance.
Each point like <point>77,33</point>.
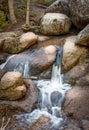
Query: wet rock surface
<point>36,62</point>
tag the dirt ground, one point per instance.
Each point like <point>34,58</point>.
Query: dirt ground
<point>36,13</point>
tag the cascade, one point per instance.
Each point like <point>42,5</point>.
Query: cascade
<point>52,95</point>
<point>53,91</point>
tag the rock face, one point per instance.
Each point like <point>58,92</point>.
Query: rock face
<point>12,86</point>
<point>26,104</point>
<point>76,103</point>
<point>83,81</point>
<point>72,54</point>
<point>31,64</point>
<point>75,74</point>
<point>15,43</point>
<point>76,100</point>
<point>3,57</point>
<point>2,72</point>
<point>85,124</point>
<point>77,10</point>
<point>83,37</point>
<point>72,125</point>
<point>55,24</point>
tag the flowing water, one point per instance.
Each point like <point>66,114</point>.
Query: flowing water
<point>52,94</point>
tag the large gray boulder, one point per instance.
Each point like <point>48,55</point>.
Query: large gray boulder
<point>77,10</point>
<point>55,24</point>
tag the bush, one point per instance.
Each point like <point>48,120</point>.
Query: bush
<point>3,22</point>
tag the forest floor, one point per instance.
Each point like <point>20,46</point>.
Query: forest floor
<point>36,13</point>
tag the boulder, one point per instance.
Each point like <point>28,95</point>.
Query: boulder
<point>25,104</point>
<point>83,37</point>
<point>75,74</point>
<point>12,86</point>
<point>27,39</point>
<point>77,10</point>
<point>11,79</point>
<point>32,64</point>
<point>76,103</point>
<point>83,81</point>
<point>72,54</point>
<point>9,42</point>
<point>55,24</point>
<point>14,43</point>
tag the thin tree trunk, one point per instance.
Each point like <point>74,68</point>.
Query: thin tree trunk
<point>11,11</point>
<point>28,13</point>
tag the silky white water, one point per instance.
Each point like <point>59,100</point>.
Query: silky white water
<point>52,94</point>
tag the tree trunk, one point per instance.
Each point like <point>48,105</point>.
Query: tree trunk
<point>11,11</point>
<point>28,13</point>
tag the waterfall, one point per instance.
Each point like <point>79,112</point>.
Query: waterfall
<point>52,94</point>
<point>53,91</point>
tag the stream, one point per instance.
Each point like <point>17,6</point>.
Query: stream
<point>52,93</point>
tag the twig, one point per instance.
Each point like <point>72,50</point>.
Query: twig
<point>4,126</point>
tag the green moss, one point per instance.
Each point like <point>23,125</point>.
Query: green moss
<point>37,31</point>
<point>3,22</point>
